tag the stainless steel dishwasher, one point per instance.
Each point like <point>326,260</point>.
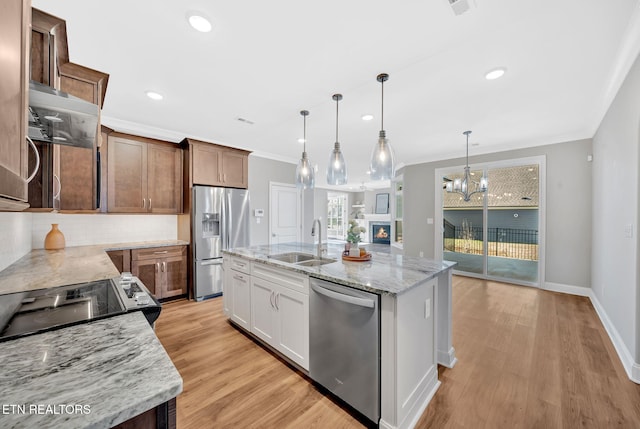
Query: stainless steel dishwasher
<point>344,344</point>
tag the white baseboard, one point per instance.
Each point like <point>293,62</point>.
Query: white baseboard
<point>447,359</point>
<point>568,289</point>
<point>632,368</point>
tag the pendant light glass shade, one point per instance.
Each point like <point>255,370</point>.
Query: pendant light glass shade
<point>337,168</point>
<point>305,175</point>
<point>382,164</point>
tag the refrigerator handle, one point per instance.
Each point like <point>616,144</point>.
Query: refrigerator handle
<point>228,219</point>
<point>223,221</point>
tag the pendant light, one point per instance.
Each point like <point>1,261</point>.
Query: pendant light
<point>382,165</point>
<point>462,186</point>
<point>305,176</point>
<point>337,168</point>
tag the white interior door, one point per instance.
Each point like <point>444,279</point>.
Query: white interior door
<point>284,213</point>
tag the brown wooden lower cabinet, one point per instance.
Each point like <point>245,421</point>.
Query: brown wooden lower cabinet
<point>163,270</point>
<point>161,417</point>
<point>121,259</point>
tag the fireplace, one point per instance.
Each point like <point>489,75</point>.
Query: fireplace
<point>381,233</point>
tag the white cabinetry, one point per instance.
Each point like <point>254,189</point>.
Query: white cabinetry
<point>237,294</point>
<point>280,311</point>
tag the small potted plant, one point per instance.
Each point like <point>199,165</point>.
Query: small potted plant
<point>353,237</point>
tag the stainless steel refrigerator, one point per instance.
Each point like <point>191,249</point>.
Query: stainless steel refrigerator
<point>220,220</point>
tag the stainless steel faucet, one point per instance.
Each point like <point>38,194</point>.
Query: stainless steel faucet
<point>313,233</point>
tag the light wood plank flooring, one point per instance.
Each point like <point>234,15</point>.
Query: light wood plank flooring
<point>527,359</point>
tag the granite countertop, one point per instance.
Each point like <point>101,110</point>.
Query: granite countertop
<point>41,268</point>
<point>385,273</point>
<point>105,371</point>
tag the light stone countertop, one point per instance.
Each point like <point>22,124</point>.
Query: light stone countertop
<point>385,273</point>
<point>42,269</point>
<point>115,366</point>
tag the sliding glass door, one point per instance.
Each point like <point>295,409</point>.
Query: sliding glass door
<point>495,235</point>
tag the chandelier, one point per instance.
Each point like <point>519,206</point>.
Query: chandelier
<point>465,186</point>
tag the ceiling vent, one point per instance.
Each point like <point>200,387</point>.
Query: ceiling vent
<point>461,6</point>
<point>246,121</point>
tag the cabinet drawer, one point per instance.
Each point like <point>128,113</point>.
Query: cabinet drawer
<point>289,279</point>
<point>239,264</point>
<point>157,252</point>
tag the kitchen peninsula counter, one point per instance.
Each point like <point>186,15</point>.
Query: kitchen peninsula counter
<point>40,269</point>
<point>414,312</point>
<point>385,273</point>
<point>92,375</point>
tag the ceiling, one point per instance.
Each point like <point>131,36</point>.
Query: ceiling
<point>266,61</point>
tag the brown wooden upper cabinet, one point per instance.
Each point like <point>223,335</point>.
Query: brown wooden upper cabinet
<point>144,175</point>
<point>14,38</point>
<point>217,165</point>
<point>67,179</point>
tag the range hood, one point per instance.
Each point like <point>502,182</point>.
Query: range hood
<point>59,118</point>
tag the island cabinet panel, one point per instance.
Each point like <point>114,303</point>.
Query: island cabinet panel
<point>143,176</point>
<point>163,270</point>
<point>14,26</point>
<point>240,294</point>
<point>280,311</point>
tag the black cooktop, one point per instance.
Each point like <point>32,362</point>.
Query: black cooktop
<point>24,313</point>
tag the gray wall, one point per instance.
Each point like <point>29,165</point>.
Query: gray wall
<point>568,207</point>
<point>615,207</point>
<point>261,172</point>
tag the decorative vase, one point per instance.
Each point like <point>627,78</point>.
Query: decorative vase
<point>54,239</point>
<point>354,251</point>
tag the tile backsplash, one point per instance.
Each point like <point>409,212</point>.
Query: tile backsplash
<point>82,230</point>
<point>15,236</point>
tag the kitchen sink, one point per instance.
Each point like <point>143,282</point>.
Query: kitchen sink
<point>303,259</point>
<point>316,262</point>
<point>293,257</point>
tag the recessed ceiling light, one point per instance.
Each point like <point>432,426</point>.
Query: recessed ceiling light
<point>199,22</point>
<point>495,73</point>
<point>367,117</point>
<point>300,140</point>
<point>154,95</point>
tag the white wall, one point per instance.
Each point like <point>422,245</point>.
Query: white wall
<point>87,229</point>
<point>15,236</point>
<point>615,207</point>
<point>568,211</point>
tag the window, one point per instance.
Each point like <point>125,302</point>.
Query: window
<point>337,221</point>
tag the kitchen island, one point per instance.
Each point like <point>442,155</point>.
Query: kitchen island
<point>415,314</point>
<point>90,375</point>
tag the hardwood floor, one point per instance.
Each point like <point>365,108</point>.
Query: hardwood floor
<point>526,359</point>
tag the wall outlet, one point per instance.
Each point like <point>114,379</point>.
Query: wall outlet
<point>429,221</point>
<point>421,254</point>
<point>427,308</point>
<point>628,230</point>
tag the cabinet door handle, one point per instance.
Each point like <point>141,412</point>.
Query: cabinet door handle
<point>149,203</point>
<point>164,267</point>
<point>160,252</point>
<point>57,195</point>
<point>271,300</point>
<point>157,266</point>
<point>238,277</point>
<point>144,203</point>
<point>277,301</point>
<point>224,177</point>
<point>35,150</point>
